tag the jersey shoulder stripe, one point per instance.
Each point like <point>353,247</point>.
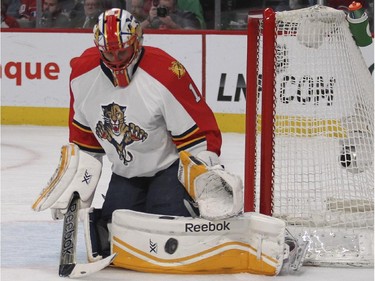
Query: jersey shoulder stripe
<point>81,127</point>
<point>83,137</point>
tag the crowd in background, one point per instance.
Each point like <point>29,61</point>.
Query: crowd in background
<point>153,14</point>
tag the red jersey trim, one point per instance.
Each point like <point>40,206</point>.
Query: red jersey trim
<point>89,148</point>
<point>177,80</point>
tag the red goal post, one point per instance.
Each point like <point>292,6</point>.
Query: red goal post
<point>310,132</point>
<point>267,110</point>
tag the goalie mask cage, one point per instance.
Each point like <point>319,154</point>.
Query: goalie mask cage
<point>309,132</point>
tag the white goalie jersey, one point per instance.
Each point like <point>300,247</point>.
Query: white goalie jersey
<point>141,127</point>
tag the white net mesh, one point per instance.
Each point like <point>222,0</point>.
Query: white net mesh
<point>324,137</point>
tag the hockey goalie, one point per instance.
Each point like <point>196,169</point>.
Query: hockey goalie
<point>219,239</point>
<point>170,205</point>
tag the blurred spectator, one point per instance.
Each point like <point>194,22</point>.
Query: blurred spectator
<point>109,4</point>
<point>77,12</point>
<point>67,6</point>
<point>193,6</point>
<point>52,16</point>
<point>27,13</point>
<point>13,7</point>
<point>6,20</point>
<point>286,5</point>
<point>165,15</point>
<point>298,4</point>
<point>87,19</point>
<point>140,9</point>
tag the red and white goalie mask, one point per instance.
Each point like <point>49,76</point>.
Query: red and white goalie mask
<point>119,36</point>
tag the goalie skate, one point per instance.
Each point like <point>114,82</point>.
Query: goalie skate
<point>297,252</point>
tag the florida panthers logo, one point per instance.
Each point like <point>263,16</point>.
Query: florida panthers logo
<point>178,69</point>
<point>119,133</point>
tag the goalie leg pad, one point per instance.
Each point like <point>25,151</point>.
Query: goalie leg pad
<point>251,243</point>
<point>96,234</point>
<point>77,172</point>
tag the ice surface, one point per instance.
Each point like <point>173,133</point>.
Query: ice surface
<point>30,242</point>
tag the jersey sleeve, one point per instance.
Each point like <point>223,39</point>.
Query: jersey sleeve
<point>79,131</point>
<point>189,119</point>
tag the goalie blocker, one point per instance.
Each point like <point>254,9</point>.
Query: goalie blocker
<point>218,193</point>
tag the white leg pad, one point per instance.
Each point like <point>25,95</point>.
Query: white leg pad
<point>85,218</point>
<point>251,243</point>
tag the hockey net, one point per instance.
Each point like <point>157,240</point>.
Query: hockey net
<point>310,130</point>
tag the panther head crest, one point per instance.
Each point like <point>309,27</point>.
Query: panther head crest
<point>114,117</point>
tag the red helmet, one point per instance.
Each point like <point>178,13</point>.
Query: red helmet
<point>119,36</point>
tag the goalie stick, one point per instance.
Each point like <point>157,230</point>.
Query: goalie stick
<point>68,266</point>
